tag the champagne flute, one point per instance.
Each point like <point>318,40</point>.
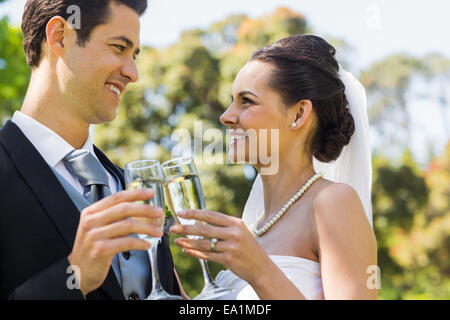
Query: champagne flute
<point>184,191</point>
<point>148,174</point>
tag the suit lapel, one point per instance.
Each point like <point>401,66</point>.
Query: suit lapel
<point>58,205</point>
<point>113,169</point>
<point>36,173</point>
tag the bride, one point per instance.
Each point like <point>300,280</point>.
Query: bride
<point>306,230</point>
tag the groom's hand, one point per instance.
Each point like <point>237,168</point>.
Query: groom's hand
<point>103,232</point>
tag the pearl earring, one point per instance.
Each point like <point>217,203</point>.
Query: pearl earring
<point>294,125</point>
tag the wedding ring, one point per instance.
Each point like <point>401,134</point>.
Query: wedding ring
<point>213,244</point>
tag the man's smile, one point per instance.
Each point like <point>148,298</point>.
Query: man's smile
<point>116,88</point>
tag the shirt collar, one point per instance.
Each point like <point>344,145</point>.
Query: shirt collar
<point>52,147</point>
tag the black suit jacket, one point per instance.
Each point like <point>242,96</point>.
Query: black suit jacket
<point>38,225</point>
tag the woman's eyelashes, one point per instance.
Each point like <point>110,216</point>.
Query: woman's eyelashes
<point>246,101</point>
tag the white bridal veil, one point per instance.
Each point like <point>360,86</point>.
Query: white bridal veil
<point>353,166</point>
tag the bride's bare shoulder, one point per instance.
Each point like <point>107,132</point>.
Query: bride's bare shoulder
<point>337,201</point>
<point>330,190</point>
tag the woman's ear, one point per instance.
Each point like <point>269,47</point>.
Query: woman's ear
<point>302,112</point>
<point>55,32</point>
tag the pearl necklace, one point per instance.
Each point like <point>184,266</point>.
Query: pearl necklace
<point>268,225</point>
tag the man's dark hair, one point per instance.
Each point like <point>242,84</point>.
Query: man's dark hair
<point>39,12</point>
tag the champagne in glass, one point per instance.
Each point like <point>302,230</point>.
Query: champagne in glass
<point>142,174</point>
<point>184,191</point>
<point>156,201</point>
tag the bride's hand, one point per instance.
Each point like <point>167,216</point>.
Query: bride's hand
<point>236,249</point>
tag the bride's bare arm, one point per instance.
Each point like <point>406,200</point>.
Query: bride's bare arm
<point>347,248</point>
<point>238,251</point>
<point>345,239</point>
<point>346,243</point>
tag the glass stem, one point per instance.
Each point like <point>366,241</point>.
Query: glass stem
<point>206,275</point>
<point>153,254</point>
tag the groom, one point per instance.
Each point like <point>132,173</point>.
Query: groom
<point>62,234</point>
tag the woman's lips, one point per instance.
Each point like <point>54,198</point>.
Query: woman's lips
<point>237,138</point>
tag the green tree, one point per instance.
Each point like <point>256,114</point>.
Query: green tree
<point>393,83</point>
<point>437,74</point>
<point>14,72</point>
<point>397,194</point>
<point>387,95</point>
<point>412,225</point>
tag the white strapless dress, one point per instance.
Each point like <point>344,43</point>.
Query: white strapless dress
<point>304,274</point>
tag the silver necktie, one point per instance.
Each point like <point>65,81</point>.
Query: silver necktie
<point>90,172</point>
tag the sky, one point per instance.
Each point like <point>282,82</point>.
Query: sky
<point>374,29</point>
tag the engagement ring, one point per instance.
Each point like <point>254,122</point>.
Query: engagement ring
<point>213,244</point>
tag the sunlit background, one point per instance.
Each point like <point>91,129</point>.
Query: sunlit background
<point>192,52</point>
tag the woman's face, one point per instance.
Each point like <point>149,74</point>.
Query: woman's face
<point>256,110</point>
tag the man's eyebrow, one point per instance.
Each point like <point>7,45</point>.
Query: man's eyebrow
<point>128,42</point>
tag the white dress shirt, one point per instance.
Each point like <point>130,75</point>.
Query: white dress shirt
<point>53,148</point>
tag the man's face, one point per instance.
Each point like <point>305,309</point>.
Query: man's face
<point>93,77</point>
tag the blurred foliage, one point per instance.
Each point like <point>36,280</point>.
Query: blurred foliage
<point>14,72</point>
<point>412,225</point>
<point>192,79</point>
<point>394,82</point>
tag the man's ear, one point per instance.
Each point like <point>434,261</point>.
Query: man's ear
<point>302,112</point>
<point>56,32</point>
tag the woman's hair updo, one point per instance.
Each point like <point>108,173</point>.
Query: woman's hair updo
<point>305,68</point>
